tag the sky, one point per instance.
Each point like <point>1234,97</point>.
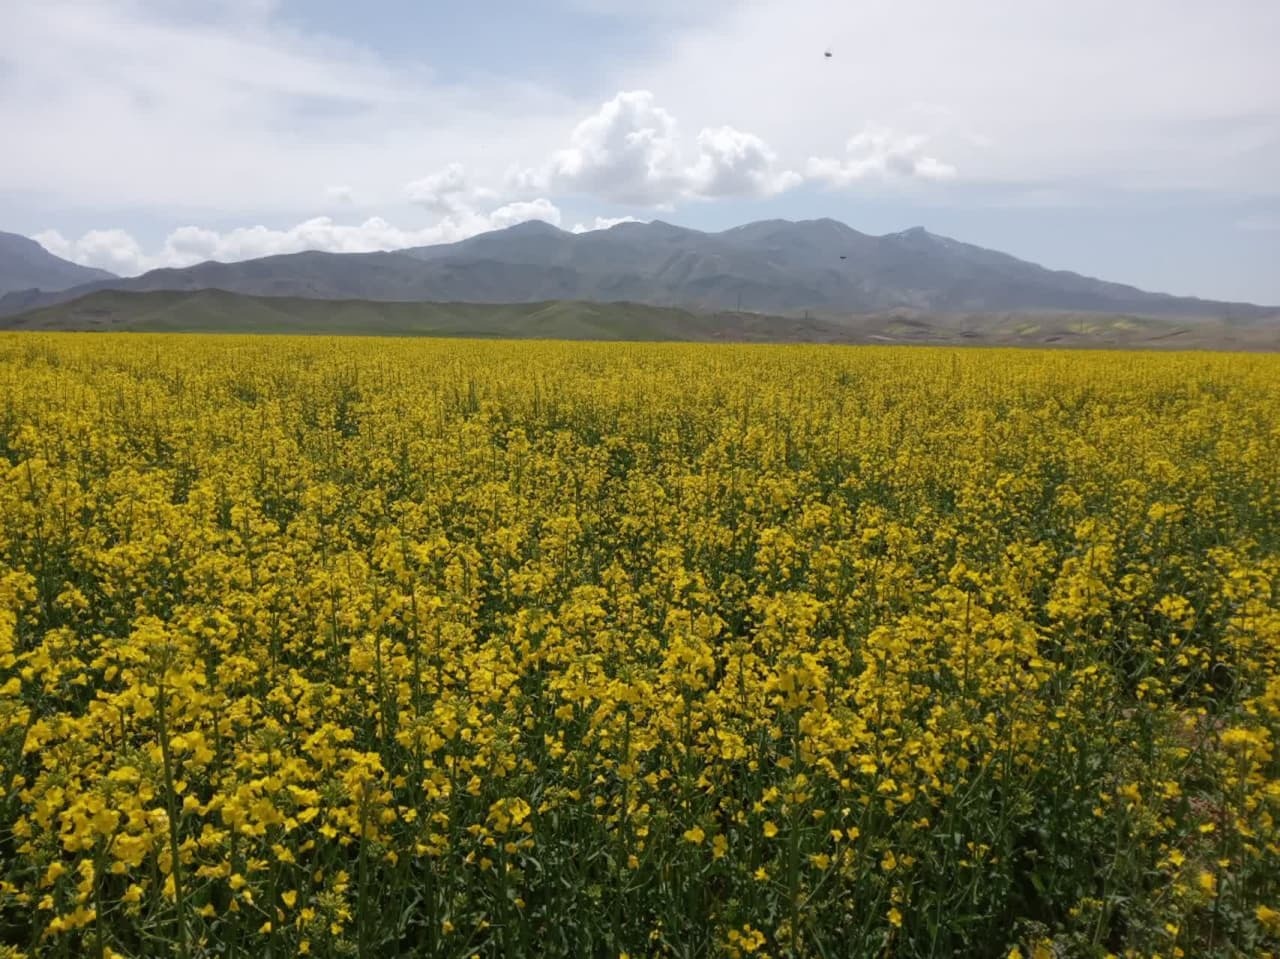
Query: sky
<point>1134,140</point>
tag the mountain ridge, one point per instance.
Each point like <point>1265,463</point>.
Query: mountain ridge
<point>775,266</point>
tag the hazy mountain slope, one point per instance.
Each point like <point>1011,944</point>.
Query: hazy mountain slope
<point>220,312</point>
<point>773,266</point>
<point>26,265</point>
<point>216,311</point>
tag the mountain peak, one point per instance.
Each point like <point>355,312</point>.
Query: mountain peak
<point>824,221</point>
<point>668,229</point>
<point>918,236</point>
<point>820,229</point>
<point>532,228</point>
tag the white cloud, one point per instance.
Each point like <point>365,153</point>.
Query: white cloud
<point>733,163</point>
<point>883,153</point>
<point>54,242</point>
<point>520,211</point>
<point>113,250</point>
<point>630,151</point>
<point>244,107</point>
<point>1094,93</point>
<point>440,192</point>
<point>927,168</point>
<point>627,152</point>
<point>227,109</point>
<point>118,251</point>
<point>603,223</point>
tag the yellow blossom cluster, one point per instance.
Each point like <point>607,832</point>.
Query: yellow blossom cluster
<point>348,647</point>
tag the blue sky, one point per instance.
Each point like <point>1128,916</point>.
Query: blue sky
<point>1137,141</point>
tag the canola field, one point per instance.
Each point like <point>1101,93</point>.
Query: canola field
<point>347,647</point>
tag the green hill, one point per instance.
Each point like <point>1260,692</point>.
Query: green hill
<point>216,311</point>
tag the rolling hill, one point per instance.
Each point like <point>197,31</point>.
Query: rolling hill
<point>216,311</point>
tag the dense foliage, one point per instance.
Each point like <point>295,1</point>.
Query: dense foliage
<point>353,647</point>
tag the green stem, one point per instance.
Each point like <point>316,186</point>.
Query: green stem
<point>171,802</point>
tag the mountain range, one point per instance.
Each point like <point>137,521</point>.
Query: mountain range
<point>819,267</point>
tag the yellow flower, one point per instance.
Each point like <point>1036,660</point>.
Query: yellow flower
<point>1207,882</point>
<point>437,604</point>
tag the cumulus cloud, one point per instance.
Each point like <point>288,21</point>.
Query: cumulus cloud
<point>627,152</point>
<point>880,152</point>
<point>120,252</point>
<point>54,242</point>
<point>114,250</point>
<point>440,192</point>
<point>630,151</point>
<point>521,211</point>
<point>733,163</point>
